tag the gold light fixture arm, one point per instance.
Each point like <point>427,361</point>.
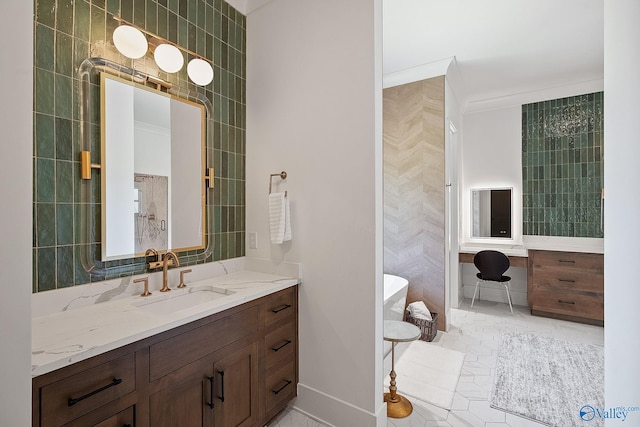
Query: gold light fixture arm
<point>86,165</point>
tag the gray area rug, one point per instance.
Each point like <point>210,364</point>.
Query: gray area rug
<point>548,380</point>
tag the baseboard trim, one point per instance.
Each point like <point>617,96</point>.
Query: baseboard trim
<point>335,412</point>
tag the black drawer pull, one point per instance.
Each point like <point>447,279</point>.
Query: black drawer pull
<point>570,261</point>
<point>221,397</point>
<point>210,404</point>
<point>285,343</point>
<point>566,302</point>
<point>287,382</point>
<point>278,310</point>
<point>73,401</point>
<point>566,280</point>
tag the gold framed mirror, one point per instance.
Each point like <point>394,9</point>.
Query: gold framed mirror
<point>149,143</point>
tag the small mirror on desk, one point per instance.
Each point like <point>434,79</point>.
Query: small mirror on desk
<point>491,213</point>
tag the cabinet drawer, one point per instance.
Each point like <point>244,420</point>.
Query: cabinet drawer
<point>80,393</point>
<point>279,306</point>
<point>567,279</point>
<point>563,261</point>
<point>280,344</point>
<point>280,385</point>
<point>588,305</point>
<point>173,353</point>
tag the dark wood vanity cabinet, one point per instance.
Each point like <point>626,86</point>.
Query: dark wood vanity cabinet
<point>237,368</point>
<point>566,285</point>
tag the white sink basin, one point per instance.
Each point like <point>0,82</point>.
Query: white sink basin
<point>181,299</point>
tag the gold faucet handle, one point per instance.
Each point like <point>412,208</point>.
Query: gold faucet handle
<point>182,273</point>
<point>160,264</point>
<point>145,280</point>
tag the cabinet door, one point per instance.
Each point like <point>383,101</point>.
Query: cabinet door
<point>186,401</point>
<point>236,388</point>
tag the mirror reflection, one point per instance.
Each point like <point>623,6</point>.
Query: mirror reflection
<point>153,193</point>
<point>491,212</point>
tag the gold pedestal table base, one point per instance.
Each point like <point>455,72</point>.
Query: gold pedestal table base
<point>398,407</point>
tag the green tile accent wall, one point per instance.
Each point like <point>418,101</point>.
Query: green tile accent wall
<point>66,32</point>
<point>562,166</point>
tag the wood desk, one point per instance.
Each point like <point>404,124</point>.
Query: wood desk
<point>514,261</point>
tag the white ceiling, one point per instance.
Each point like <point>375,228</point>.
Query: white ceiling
<point>501,47</point>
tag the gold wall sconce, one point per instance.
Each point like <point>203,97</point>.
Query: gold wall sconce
<point>209,178</point>
<point>86,165</point>
<point>134,42</point>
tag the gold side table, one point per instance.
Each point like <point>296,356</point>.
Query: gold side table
<point>397,331</point>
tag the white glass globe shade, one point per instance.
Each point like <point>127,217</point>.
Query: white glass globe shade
<point>169,58</point>
<point>200,72</point>
<point>130,41</point>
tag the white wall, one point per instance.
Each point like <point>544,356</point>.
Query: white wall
<point>622,204</point>
<point>16,189</point>
<point>492,157</point>
<point>314,90</point>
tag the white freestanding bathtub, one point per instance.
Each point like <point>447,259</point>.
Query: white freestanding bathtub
<point>395,299</point>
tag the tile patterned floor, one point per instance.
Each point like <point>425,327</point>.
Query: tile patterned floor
<point>476,332</point>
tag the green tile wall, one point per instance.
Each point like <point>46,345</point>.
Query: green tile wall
<point>562,166</point>
<point>66,32</point>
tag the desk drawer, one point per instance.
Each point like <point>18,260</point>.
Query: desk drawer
<point>566,280</point>
<point>567,261</point>
<point>81,393</point>
<point>579,304</point>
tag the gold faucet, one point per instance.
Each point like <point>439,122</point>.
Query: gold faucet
<point>166,260</point>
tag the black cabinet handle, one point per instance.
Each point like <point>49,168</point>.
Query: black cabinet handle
<point>73,401</point>
<point>567,280</point>
<point>127,425</point>
<point>570,261</point>
<point>284,344</point>
<point>566,302</point>
<point>287,382</point>
<point>221,397</point>
<point>279,309</point>
<point>210,404</point>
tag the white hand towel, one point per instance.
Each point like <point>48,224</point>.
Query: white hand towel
<point>279,221</point>
<point>419,310</point>
<point>287,219</point>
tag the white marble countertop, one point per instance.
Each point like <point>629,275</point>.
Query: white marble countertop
<point>65,337</point>
<point>548,243</point>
